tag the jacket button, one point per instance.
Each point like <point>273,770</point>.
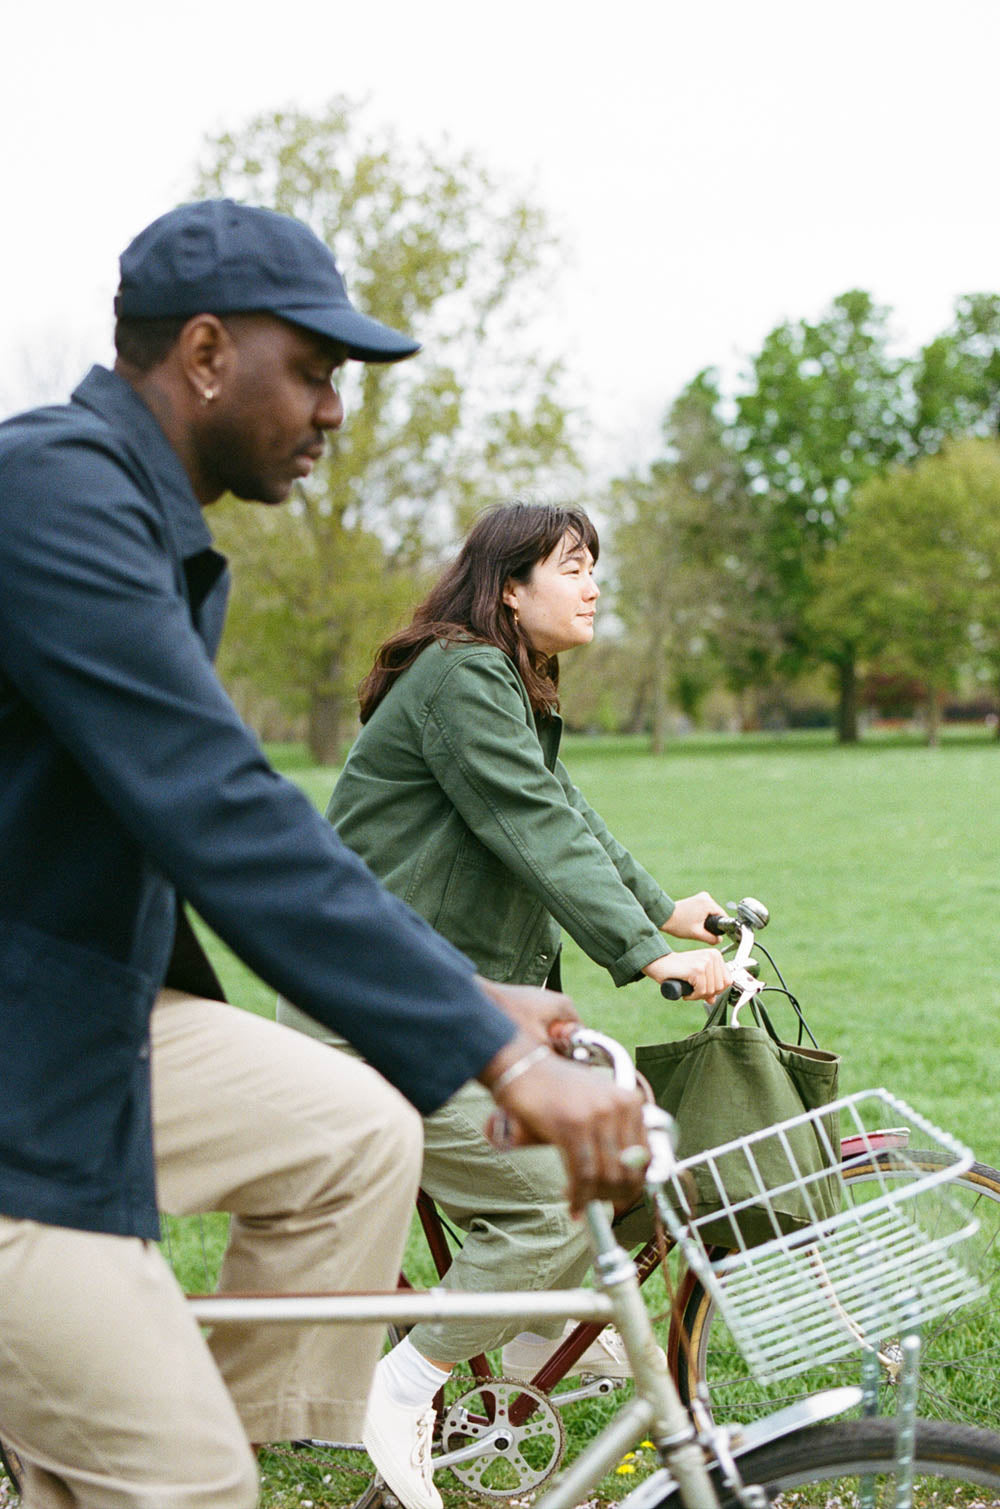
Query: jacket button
<point>543,958</point>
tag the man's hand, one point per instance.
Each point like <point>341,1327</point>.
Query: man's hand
<point>535,1010</point>
<point>583,1114</point>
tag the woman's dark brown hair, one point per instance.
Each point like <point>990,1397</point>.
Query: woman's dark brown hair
<point>467,601</point>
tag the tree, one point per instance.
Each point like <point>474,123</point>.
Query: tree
<point>956,380</point>
<point>825,410</point>
<point>656,602</point>
<point>722,541</point>
<point>687,577</point>
<point>751,497</point>
<point>977,463</point>
<point>431,246</point>
<point>915,578</point>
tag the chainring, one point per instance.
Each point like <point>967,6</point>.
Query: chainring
<point>528,1454</point>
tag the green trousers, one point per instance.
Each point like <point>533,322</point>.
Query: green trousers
<point>510,1207</point>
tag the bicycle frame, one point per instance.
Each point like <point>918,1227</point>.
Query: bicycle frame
<point>655,1409</point>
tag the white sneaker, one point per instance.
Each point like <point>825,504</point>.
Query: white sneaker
<point>605,1357</point>
<point>398,1440</point>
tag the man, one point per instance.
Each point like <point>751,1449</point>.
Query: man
<point>128,782</point>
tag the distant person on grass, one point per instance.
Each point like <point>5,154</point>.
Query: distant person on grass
<point>127,782</point>
<point>454,794</point>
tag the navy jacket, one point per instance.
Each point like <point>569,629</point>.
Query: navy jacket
<point>127,778</point>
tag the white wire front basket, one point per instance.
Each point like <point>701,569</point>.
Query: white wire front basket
<point>869,1258</point>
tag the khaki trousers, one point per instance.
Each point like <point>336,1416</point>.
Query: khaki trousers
<point>107,1388</point>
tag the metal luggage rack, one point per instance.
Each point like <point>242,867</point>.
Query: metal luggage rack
<point>841,1283</point>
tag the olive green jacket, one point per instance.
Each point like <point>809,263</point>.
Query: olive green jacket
<point>455,796</point>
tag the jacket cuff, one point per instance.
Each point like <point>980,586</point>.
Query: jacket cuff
<point>630,966</point>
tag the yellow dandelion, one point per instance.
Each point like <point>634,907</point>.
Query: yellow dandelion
<point>624,1468</point>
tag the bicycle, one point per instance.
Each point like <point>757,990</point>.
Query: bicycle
<point>780,1448</point>
<point>869,1448</point>
<point>960,1354</point>
<point>878,1245</point>
<point>702,1355</point>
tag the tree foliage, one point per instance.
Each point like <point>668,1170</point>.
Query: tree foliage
<point>824,410</point>
<point>915,580</point>
<point>756,494</point>
<point>956,379</point>
<point>432,245</point>
<point>689,585</point>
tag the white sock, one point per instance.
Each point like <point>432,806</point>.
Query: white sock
<point>410,1379</point>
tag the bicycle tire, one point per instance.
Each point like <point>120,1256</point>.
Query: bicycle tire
<point>960,1364</point>
<point>834,1459</point>
<point>10,1462</point>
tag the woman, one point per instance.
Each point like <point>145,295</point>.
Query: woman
<point>455,796</point>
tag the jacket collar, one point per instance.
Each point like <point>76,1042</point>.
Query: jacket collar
<point>116,401</point>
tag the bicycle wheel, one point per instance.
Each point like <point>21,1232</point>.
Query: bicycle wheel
<point>960,1357</point>
<point>831,1464</point>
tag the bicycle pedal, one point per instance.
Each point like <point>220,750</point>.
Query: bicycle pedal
<point>600,1383</point>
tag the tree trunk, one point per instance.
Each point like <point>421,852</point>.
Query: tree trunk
<point>847,702</point>
<point>635,723</point>
<point>749,703</point>
<point>935,697</point>
<point>658,695</point>
<point>658,714</point>
<point>328,722</point>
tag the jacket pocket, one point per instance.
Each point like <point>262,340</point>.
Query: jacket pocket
<point>489,915</point>
<point>74,1034</point>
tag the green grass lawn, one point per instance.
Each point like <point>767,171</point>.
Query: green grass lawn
<point>881,867</point>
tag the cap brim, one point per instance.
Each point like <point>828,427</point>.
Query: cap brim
<point>367,340</point>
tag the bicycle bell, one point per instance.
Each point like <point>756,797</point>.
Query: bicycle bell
<point>752,913</point>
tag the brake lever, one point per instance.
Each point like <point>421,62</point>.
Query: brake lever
<point>742,933</point>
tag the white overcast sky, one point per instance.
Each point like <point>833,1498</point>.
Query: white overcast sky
<point>715,166</point>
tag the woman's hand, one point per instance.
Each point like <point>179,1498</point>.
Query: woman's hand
<point>705,970</point>
<point>687,920</point>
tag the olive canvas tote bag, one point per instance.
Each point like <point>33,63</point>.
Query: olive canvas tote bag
<point>727,1082</point>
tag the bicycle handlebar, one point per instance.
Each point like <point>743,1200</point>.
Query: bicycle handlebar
<point>673,990</point>
<point>585,1045</point>
<point>750,916</point>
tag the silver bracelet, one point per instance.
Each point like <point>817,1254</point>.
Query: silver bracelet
<point>518,1067</point>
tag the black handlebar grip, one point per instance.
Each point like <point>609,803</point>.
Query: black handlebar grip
<point>713,924</point>
<point>672,990</point>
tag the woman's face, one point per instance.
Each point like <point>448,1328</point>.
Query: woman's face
<point>555,606</point>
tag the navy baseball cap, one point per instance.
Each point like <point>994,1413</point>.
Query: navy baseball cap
<point>220,257</point>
